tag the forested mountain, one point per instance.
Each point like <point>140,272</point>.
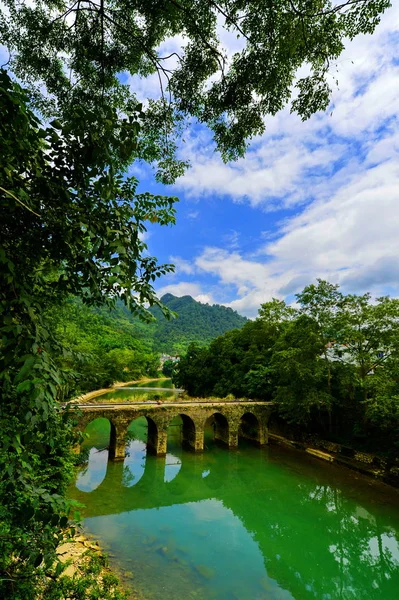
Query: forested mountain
<point>196,322</point>
<point>102,346</point>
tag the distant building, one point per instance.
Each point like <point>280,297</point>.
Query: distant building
<point>165,357</point>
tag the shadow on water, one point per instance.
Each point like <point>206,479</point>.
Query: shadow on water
<point>255,524</point>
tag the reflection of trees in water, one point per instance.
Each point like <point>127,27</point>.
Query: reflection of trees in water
<point>83,457</point>
<point>137,430</point>
<point>127,477</point>
<point>321,526</point>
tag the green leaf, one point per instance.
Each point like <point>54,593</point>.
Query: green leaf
<point>63,522</point>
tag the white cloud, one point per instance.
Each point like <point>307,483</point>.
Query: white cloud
<point>184,288</point>
<point>232,238</point>
<point>339,171</point>
<point>351,238</point>
<point>204,299</point>
<point>182,266</point>
<point>295,162</point>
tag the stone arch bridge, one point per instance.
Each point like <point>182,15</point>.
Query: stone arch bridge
<point>229,420</point>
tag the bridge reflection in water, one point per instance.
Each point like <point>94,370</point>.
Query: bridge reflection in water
<point>253,524</point>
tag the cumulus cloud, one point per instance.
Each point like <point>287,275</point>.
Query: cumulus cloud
<point>336,174</point>
<point>184,288</point>
<point>339,171</point>
<point>182,266</point>
<point>351,238</point>
<point>293,162</point>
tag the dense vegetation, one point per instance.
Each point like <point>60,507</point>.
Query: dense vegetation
<point>71,221</point>
<point>69,224</point>
<point>99,346</point>
<point>331,365</point>
<point>73,53</point>
<point>196,322</point>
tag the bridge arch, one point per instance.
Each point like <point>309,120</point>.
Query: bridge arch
<point>102,432</point>
<point>219,425</point>
<point>187,430</point>
<point>146,433</point>
<point>250,428</point>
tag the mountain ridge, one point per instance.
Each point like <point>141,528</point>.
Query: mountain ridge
<point>196,322</point>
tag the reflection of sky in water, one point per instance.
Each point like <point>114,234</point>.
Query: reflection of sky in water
<point>386,543</point>
<point>134,463</point>
<point>172,467</point>
<point>90,477</point>
<point>206,536</point>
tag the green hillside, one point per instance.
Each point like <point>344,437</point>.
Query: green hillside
<point>196,322</point>
<point>112,345</point>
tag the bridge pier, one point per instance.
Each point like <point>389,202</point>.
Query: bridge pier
<point>198,445</point>
<point>192,436</point>
<point>233,440</point>
<point>117,442</point>
<point>157,440</point>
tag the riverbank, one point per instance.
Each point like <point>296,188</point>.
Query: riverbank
<point>95,393</point>
<point>84,557</point>
<point>362,462</point>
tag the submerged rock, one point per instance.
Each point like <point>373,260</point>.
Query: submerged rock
<point>205,571</point>
<point>266,584</point>
<point>162,550</point>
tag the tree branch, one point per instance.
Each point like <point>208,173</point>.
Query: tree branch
<point>19,201</point>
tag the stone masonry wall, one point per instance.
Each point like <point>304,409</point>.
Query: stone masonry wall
<point>194,419</point>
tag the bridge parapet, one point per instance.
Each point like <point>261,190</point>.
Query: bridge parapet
<point>229,420</point>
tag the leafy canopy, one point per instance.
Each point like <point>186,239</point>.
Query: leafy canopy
<point>330,365</point>
<point>78,50</point>
<point>70,223</point>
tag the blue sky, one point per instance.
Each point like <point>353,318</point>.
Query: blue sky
<point>312,199</point>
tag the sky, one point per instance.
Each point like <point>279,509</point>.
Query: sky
<point>313,199</point>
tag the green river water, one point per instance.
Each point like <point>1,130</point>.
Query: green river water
<point>134,391</point>
<point>254,524</point>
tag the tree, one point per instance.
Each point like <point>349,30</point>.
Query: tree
<point>321,303</point>
<point>191,374</point>
<point>76,51</point>
<point>368,336</point>
<point>168,368</point>
<point>300,372</point>
<point>69,224</point>
<point>276,313</point>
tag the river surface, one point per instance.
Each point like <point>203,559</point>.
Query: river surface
<point>254,524</point>
<point>162,389</point>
